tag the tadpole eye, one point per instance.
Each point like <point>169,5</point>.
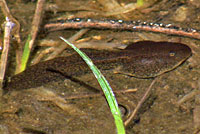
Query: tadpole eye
<point>172,53</point>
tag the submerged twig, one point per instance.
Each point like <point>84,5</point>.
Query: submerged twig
<point>196,112</point>
<point>41,55</point>
<point>48,95</point>
<point>188,97</point>
<point>78,23</point>
<point>4,56</point>
<point>196,115</point>
<point>36,21</point>
<point>15,30</point>
<point>126,123</point>
<point>98,94</point>
<point>57,50</point>
<point>8,14</point>
<point>64,46</point>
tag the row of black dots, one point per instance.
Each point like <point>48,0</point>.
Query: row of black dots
<point>122,25</point>
<point>162,25</point>
<point>136,23</point>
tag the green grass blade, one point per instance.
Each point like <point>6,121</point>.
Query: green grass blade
<point>26,54</point>
<point>106,89</point>
<point>140,3</point>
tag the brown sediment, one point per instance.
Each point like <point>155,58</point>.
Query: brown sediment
<point>144,59</point>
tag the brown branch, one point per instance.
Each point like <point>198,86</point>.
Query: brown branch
<point>15,30</point>
<point>122,25</point>
<point>126,123</point>
<point>8,14</point>
<point>36,21</point>
<point>64,46</point>
<point>4,56</point>
<point>98,94</point>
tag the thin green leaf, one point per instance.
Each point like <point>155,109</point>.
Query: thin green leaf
<point>106,89</point>
<point>26,54</point>
<point>140,3</point>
